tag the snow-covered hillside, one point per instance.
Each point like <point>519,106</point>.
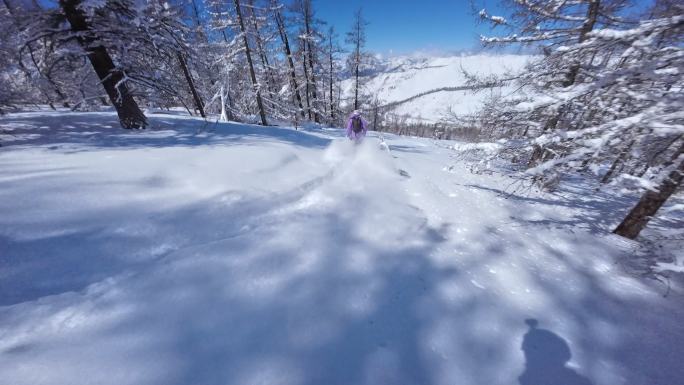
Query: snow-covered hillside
<point>196,253</point>
<point>401,78</point>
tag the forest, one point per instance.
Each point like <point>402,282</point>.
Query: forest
<point>241,192</point>
<point>607,87</point>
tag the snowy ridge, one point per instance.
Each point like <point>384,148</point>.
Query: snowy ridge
<point>424,88</point>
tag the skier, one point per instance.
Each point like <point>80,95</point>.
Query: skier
<point>356,127</point>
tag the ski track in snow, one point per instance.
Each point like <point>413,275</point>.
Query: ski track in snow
<point>237,254</point>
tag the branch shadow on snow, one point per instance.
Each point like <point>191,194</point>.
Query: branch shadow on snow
<point>265,289</point>
<point>615,322</point>
<point>224,310</point>
<point>233,312</point>
<point>74,132</point>
<point>597,212</point>
<point>58,255</point>
<point>408,149</point>
<point>245,296</point>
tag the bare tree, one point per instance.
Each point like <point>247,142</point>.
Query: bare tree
<point>652,201</point>
<point>282,31</point>
<point>191,84</point>
<point>332,50</point>
<point>255,83</point>
<point>606,92</point>
<point>112,78</point>
<point>357,37</point>
<point>308,48</point>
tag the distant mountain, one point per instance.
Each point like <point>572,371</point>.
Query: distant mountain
<point>425,87</point>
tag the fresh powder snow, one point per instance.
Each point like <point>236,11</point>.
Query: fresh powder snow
<point>222,253</point>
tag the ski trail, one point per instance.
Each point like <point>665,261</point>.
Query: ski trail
<point>350,170</point>
<point>314,264</point>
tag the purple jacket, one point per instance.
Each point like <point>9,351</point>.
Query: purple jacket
<point>353,135</point>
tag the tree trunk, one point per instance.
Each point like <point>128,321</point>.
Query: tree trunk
<point>260,104</point>
<point>571,77</point>
<point>338,104</point>
<point>618,161</point>
<point>375,116</point>
<point>270,79</point>
<point>290,62</point>
<point>357,63</point>
<point>651,201</point>
<point>111,78</point>
<point>330,58</point>
<point>652,159</point>
<point>587,26</point>
<point>306,87</point>
<point>191,84</point>
<point>307,25</point>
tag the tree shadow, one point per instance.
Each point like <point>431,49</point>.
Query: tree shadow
<point>546,358</point>
<point>76,132</point>
<point>597,213</point>
<point>408,149</point>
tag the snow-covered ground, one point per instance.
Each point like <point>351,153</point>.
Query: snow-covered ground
<point>196,253</point>
<point>404,77</point>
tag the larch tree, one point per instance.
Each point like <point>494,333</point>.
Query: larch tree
<point>605,96</point>
<point>357,38</point>
<point>308,49</point>
<point>257,26</point>
<point>237,59</point>
<point>36,58</point>
<point>14,79</point>
<point>112,78</point>
<point>134,51</point>
<point>252,73</point>
<point>332,50</point>
<point>276,8</point>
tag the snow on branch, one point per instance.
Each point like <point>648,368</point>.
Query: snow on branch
<point>496,20</point>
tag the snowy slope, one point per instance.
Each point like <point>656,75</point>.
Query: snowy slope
<point>404,77</point>
<point>236,254</point>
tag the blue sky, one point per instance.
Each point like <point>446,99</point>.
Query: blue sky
<point>403,26</point>
<point>398,26</point>
<point>408,26</point>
